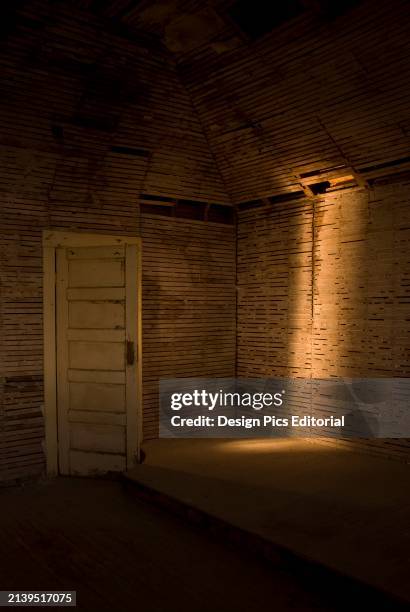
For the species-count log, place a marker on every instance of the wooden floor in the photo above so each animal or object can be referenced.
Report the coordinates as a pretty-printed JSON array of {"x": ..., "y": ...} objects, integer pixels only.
[{"x": 120, "y": 554}]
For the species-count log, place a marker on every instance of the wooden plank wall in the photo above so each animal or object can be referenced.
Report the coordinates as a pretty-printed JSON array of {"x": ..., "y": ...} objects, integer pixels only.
[
  {"x": 275, "y": 291},
  {"x": 89, "y": 120},
  {"x": 324, "y": 291},
  {"x": 189, "y": 303},
  {"x": 361, "y": 284},
  {"x": 315, "y": 93}
]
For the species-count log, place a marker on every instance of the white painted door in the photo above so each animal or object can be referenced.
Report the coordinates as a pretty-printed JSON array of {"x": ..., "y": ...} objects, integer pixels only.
[{"x": 97, "y": 370}]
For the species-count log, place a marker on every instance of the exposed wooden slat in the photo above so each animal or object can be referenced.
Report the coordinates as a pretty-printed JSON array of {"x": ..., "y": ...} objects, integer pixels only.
[
  {"x": 323, "y": 290},
  {"x": 188, "y": 304}
]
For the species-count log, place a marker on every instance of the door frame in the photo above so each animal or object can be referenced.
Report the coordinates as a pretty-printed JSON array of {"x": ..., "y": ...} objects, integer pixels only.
[{"x": 51, "y": 241}]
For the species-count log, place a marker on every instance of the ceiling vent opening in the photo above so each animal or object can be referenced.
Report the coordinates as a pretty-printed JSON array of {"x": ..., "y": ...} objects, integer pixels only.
[
  {"x": 318, "y": 188},
  {"x": 218, "y": 213},
  {"x": 258, "y": 17},
  {"x": 333, "y": 184}
]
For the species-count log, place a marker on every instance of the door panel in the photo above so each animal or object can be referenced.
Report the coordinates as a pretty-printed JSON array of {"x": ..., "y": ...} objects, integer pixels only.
[
  {"x": 109, "y": 335},
  {"x": 96, "y": 376},
  {"x": 98, "y": 252},
  {"x": 94, "y": 273},
  {"x": 96, "y": 315},
  {"x": 97, "y": 397},
  {"x": 103, "y": 418},
  {"x": 96, "y": 385},
  {"x": 97, "y": 437},
  {"x": 96, "y": 356},
  {"x": 96, "y": 293},
  {"x": 86, "y": 462}
]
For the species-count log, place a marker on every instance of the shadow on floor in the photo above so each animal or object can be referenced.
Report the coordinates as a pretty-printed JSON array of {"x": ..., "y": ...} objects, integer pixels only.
[{"x": 121, "y": 554}]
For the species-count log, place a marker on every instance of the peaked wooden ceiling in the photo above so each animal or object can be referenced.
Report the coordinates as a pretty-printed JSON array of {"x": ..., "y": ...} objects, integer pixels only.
[
  {"x": 324, "y": 97},
  {"x": 321, "y": 100}
]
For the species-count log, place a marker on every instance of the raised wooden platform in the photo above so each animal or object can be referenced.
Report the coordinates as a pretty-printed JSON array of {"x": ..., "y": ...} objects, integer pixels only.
[{"x": 313, "y": 506}]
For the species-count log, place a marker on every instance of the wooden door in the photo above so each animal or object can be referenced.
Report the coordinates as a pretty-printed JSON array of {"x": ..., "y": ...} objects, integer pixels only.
[{"x": 96, "y": 356}]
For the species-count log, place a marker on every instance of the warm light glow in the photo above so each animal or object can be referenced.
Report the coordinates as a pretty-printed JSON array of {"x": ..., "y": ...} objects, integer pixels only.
[{"x": 301, "y": 445}]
